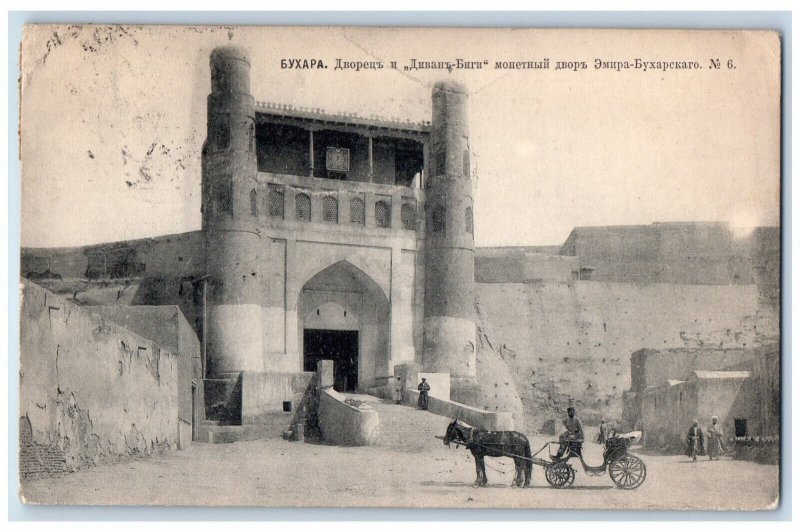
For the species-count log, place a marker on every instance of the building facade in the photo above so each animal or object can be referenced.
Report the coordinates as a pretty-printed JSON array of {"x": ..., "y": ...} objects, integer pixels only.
[{"x": 320, "y": 232}]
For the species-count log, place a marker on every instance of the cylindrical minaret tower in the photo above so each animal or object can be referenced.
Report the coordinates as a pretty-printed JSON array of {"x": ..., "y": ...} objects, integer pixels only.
[
  {"x": 230, "y": 220},
  {"x": 449, "y": 330}
]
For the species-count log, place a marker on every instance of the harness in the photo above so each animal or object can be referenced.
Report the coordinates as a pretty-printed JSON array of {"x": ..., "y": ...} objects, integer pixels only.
[
  {"x": 487, "y": 446},
  {"x": 458, "y": 442}
]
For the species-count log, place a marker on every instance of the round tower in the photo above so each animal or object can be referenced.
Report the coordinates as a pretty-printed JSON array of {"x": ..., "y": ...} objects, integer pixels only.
[
  {"x": 230, "y": 219},
  {"x": 449, "y": 329}
]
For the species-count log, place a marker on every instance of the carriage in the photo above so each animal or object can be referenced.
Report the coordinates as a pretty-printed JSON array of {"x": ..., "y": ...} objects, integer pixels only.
[{"x": 626, "y": 470}]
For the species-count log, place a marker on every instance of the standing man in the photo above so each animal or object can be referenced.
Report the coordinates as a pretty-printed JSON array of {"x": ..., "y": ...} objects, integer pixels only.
[
  {"x": 573, "y": 434},
  {"x": 602, "y": 436},
  {"x": 423, "y": 388},
  {"x": 398, "y": 390},
  {"x": 716, "y": 446},
  {"x": 694, "y": 441}
]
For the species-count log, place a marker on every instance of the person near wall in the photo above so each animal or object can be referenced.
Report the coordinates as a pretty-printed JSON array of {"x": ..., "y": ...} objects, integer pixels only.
[
  {"x": 602, "y": 435},
  {"x": 694, "y": 441},
  {"x": 423, "y": 388},
  {"x": 716, "y": 445},
  {"x": 572, "y": 437},
  {"x": 398, "y": 390}
]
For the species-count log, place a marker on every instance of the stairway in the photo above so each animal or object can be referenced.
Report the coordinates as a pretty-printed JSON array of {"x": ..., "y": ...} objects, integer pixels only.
[
  {"x": 267, "y": 426},
  {"x": 404, "y": 428}
]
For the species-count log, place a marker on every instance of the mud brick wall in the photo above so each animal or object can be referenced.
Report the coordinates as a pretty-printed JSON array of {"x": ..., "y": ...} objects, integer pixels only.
[
  {"x": 574, "y": 340},
  {"x": 91, "y": 391},
  {"x": 37, "y": 460}
]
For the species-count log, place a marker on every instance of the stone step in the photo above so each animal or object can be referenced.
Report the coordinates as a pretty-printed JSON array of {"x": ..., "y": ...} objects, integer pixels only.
[{"x": 266, "y": 426}]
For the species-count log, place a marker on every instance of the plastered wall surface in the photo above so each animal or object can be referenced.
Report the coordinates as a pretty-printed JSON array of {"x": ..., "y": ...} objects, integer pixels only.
[
  {"x": 91, "y": 391},
  {"x": 574, "y": 340},
  {"x": 166, "y": 326},
  {"x": 342, "y": 424},
  {"x": 264, "y": 393}
]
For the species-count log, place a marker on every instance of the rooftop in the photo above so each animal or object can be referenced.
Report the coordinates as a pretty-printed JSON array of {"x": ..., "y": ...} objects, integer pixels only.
[{"x": 320, "y": 116}]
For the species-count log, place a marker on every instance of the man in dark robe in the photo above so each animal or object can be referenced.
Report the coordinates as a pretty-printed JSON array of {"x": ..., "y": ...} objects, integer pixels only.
[
  {"x": 423, "y": 388},
  {"x": 694, "y": 441}
]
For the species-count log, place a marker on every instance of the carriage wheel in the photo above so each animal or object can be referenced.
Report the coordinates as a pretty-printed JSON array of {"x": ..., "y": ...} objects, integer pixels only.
[
  {"x": 559, "y": 475},
  {"x": 628, "y": 472}
]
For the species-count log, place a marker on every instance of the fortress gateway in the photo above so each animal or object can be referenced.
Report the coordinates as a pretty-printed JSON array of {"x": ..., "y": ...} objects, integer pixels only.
[
  {"x": 323, "y": 237},
  {"x": 335, "y": 237}
]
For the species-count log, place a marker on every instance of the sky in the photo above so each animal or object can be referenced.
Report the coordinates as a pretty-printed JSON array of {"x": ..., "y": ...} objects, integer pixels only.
[{"x": 113, "y": 120}]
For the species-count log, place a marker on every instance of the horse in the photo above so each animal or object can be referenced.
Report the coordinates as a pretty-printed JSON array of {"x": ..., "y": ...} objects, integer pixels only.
[{"x": 482, "y": 443}]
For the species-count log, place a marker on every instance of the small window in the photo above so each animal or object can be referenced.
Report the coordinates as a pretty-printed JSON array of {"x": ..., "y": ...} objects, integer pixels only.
[
  {"x": 357, "y": 211},
  {"x": 330, "y": 210},
  {"x": 253, "y": 203},
  {"x": 408, "y": 217},
  {"x": 468, "y": 220},
  {"x": 438, "y": 223},
  {"x": 220, "y": 131},
  {"x": 383, "y": 214},
  {"x": 302, "y": 207},
  {"x": 275, "y": 204},
  {"x": 337, "y": 159},
  {"x": 222, "y": 195}
]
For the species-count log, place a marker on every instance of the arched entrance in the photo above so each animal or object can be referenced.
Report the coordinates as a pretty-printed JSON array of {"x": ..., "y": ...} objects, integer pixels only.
[{"x": 344, "y": 317}]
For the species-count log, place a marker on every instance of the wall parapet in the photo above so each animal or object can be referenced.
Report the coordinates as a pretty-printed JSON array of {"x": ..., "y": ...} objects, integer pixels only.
[
  {"x": 480, "y": 419},
  {"x": 344, "y": 424}
]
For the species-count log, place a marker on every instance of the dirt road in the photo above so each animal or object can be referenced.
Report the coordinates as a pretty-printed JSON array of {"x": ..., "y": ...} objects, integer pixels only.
[{"x": 278, "y": 473}]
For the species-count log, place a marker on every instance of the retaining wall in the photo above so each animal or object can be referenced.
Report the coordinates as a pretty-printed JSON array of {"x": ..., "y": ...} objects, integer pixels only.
[
  {"x": 343, "y": 424},
  {"x": 574, "y": 340},
  {"x": 480, "y": 419}
]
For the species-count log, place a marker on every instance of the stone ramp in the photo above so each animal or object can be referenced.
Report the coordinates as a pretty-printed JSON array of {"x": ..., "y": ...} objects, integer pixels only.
[{"x": 404, "y": 428}]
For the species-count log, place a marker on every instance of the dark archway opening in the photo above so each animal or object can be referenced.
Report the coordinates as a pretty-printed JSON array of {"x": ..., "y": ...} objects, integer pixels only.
[{"x": 339, "y": 346}]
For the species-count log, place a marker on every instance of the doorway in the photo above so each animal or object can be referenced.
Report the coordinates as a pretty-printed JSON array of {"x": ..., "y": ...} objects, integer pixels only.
[
  {"x": 740, "y": 428},
  {"x": 339, "y": 346}
]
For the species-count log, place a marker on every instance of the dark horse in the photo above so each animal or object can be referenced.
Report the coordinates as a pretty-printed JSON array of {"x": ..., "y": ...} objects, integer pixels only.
[{"x": 483, "y": 443}]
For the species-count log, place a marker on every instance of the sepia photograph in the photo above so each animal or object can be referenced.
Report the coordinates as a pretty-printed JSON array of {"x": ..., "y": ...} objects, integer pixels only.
[{"x": 385, "y": 267}]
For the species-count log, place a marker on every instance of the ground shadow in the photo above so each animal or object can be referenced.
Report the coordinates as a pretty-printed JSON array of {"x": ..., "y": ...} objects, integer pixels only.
[
  {"x": 583, "y": 488},
  {"x": 453, "y": 484}
]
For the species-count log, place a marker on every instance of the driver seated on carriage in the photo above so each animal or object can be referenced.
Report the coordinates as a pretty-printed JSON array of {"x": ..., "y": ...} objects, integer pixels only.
[{"x": 572, "y": 438}]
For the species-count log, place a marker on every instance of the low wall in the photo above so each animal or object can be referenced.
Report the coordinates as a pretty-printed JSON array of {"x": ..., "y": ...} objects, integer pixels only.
[
  {"x": 480, "y": 419},
  {"x": 343, "y": 424},
  {"x": 265, "y": 392},
  {"x": 91, "y": 391},
  {"x": 762, "y": 450}
]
